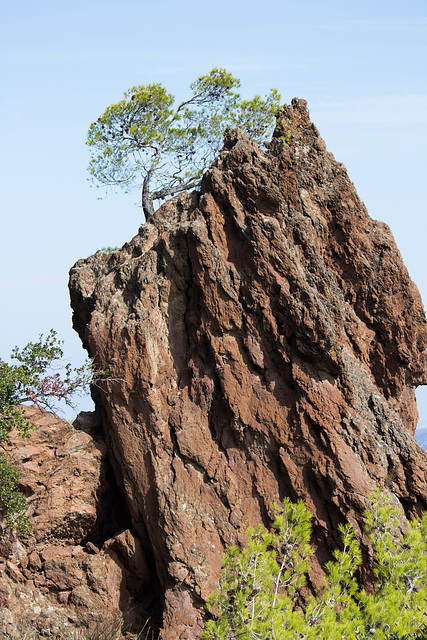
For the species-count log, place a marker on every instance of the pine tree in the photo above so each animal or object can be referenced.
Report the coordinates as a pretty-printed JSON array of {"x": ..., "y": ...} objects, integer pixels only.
[{"x": 257, "y": 597}]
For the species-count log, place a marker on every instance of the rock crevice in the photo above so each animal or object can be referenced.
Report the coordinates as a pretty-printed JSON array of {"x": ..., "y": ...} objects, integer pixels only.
[{"x": 82, "y": 565}]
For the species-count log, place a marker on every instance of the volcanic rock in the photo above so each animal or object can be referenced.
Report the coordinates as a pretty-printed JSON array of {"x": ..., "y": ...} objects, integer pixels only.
[{"x": 265, "y": 341}]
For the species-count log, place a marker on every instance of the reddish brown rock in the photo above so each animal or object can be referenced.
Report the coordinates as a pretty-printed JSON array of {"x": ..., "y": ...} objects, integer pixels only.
[
  {"x": 266, "y": 341},
  {"x": 57, "y": 580}
]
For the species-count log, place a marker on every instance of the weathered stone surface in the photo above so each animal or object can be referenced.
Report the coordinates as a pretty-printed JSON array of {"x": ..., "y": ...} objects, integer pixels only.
[
  {"x": 266, "y": 340},
  {"x": 58, "y": 580}
]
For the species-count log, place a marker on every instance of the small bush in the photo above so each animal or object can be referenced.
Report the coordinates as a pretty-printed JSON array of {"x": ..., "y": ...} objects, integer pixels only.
[{"x": 33, "y": 379}]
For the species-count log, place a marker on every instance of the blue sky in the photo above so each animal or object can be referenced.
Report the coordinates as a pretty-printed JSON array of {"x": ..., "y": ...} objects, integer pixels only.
[{"x": 361, "y": 66}]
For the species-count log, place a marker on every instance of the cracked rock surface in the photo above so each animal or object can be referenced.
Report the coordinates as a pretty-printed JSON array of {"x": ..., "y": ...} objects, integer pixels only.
[{"x": 266, "y": 341}]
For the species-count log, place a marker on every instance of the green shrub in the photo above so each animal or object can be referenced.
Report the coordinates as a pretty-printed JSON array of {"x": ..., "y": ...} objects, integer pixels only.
[
  {"x": 34, "y": 379},
  {"x": 109, "y": 249},
  {"x": 259, "y": 590}
]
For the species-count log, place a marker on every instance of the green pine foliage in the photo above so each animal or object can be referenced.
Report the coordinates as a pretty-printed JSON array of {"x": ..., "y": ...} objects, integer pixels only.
[
  {"x": 148, "y": 142},
  {"x": 258, "y": 594}
]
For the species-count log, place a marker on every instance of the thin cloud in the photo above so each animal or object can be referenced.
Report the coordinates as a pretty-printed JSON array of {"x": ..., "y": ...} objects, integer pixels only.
[
  {"x": 377, "y": 24},
  {"x": 408, "y": 109}
]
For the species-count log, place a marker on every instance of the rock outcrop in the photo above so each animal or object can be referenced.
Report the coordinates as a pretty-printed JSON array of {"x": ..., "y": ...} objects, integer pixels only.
[
  {"x": 81, "y": 566},
  {"x": 266, "y": 341}
]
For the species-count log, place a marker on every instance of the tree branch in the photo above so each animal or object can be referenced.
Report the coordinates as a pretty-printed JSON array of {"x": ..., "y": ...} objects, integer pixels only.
[{"x": 170, "y": 191}]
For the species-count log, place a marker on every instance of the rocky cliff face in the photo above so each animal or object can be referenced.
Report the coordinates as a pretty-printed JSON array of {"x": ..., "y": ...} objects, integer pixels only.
[{"x": 267, "y": 341}]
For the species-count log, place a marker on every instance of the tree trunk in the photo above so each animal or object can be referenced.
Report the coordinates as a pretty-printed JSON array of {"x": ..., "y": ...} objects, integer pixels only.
[{"x": 147, "y": 203}]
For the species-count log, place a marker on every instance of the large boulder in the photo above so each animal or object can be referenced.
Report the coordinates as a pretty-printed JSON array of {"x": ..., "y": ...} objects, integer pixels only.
[{"x": 265, "y": 341}]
